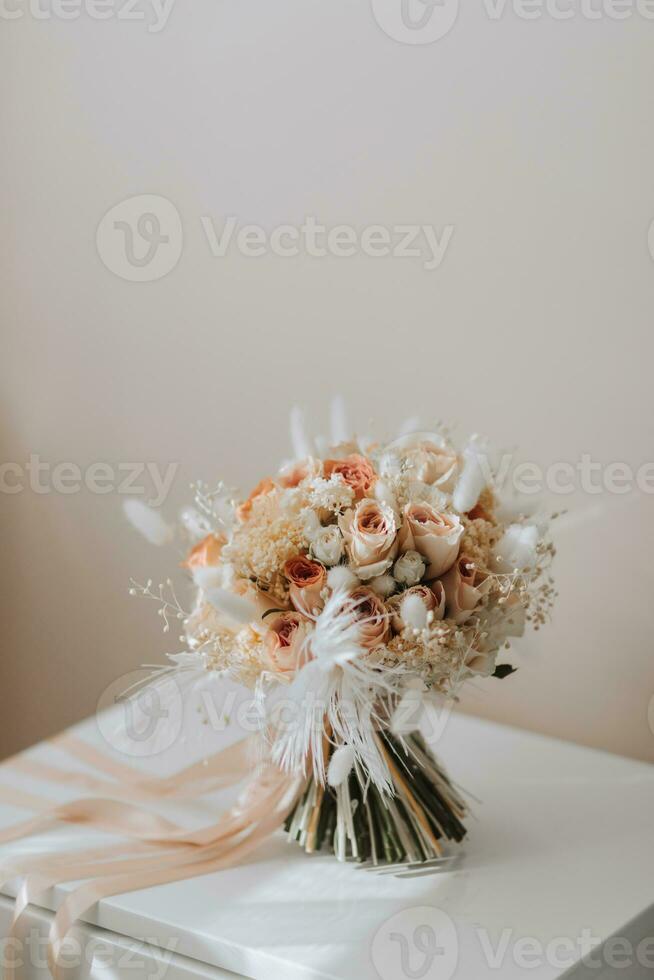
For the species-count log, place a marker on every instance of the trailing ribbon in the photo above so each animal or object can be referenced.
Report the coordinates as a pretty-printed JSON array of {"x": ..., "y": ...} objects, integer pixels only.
[{"x": 160, "y": 851}]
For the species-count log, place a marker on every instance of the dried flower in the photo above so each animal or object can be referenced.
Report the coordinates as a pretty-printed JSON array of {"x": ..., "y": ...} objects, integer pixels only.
[
  {"x": 433, "y": 534},
  {"x": 409, "y": 568},
  {"x": 285, "y": 642},
  {"x": 357, "y": 472},
  {"x": 307, "y": 580},
  {"x": 327, "y": 545},
  {"x": 370, "y": 535}
]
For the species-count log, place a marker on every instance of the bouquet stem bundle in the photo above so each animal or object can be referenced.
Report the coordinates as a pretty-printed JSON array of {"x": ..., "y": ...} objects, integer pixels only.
[{"x": 357, "y": 822}]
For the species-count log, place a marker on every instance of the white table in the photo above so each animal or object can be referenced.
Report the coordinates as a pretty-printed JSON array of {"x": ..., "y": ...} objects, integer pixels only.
[{"x": 560, "y": 849}]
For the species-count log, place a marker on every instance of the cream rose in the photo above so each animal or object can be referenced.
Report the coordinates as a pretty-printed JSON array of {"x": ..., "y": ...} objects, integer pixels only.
[
  {"x": 463, "y": 590},
  {"x": 422, "y": 456},
  {"x": 409, "y": 568},
  {"x": 285, "y": 642},
  {"x": 431, "y": 463},
  {"x": 327, "y": 545},
  {"x": 370, "y": 532},
  {"x": 436, "y": 536},
  {"x": 307, "y": 579}
]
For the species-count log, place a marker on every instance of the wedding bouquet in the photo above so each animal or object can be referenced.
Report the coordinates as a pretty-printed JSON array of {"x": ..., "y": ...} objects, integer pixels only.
[{"x": 352, "y": 590}]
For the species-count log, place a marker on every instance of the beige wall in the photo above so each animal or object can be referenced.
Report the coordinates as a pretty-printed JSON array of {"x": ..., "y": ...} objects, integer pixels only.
[{"x": 533, "y": 139}]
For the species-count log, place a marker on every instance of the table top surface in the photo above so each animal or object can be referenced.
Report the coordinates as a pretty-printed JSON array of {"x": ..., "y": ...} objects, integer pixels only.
[{"x": 559, "y": 854}]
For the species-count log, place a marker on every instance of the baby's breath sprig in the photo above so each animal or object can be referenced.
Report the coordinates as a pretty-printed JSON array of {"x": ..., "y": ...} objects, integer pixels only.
[
  {"x": 169, "y": 608},
  {"x": 216, "y": 505}
]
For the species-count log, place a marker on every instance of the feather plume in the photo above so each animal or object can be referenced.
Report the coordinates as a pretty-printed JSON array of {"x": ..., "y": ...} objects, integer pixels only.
[
  {"x": 195, "y": 523},
  {"x": 300, "y": 439},
  {"x": 474, "y": 476},
  {"x": 147, "y": 521},
  {"x": 340, "y": 765},
  {"x": 338, "y": 416},
  {"x": 233, "y": 606},
  {"x": 340, "y": 690},
  {"x": 340, "y": 578},
  {"x": 414, "y": 612}
]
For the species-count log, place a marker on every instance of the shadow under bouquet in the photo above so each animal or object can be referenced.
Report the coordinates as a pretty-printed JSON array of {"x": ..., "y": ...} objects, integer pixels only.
[{"x": 354, "y": 591}]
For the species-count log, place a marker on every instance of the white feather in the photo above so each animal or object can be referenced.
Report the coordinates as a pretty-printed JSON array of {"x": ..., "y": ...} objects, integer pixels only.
[
  {"x": 208, "y": 577},
  {"x": 414, "y": 612},
  {"x": 340, "y": 686},
  {"x": 335, "y": 639},
  {"x": 517, "y": 547},
  {"x": 340, "y": 579},
  {"x": 195, "y": 523},
  {"x": 147, "y": 521},
  {"x": 322, "y": 446},
  {"x": 474, "y": 476},
  {"x": 340, "y": 765},
  {"x": 338, "y": 416},
  {"x": 383, "y": 585},
  {"x": 233, "y": 606},
  {"x": 409, "y": 425},
  {"x": 300, "y": 440}
]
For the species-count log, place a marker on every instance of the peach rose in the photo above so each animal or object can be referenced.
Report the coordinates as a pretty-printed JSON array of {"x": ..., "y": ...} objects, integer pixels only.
[
  {"x": 371, "y": 616},
  {"x": 307, "y": 578},
  {"x": 463, "y": 589},
  {"x": 434, "y": 535},
  {"x": 245, "y": 509},
  {"x": 205, "y": 552},
  {"x": 285, "y": 642},
  {"x": 356, "y": 471},
  {"x": 370, "y": 532},
  {"x": 434, "y": 600}
]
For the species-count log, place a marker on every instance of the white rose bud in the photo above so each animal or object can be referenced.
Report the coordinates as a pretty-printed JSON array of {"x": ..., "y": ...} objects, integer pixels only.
[
  {"x": 327, "y": 545},
  {"x": 409, "y": 568}
]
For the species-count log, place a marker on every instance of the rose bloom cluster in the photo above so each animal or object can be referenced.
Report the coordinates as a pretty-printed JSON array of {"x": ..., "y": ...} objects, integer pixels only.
[{"x": 410, "y": 532}]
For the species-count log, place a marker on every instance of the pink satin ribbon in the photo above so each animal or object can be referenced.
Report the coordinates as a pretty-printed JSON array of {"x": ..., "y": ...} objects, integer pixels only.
[{"x": 162, "y": 851}]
